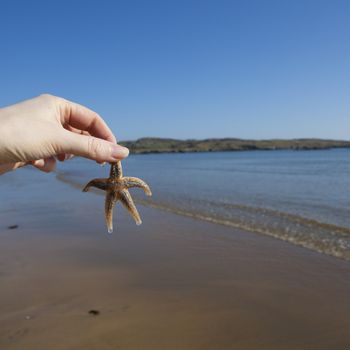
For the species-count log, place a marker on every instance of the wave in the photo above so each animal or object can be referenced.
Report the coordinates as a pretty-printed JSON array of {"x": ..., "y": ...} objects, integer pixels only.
[{"x": 309, "y": 233}]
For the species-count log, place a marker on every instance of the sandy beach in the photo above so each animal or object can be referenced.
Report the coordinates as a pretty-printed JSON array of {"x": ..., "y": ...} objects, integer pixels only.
[
  {"x": 235, "y": 115},
  {"x": 173, "y": 283}
]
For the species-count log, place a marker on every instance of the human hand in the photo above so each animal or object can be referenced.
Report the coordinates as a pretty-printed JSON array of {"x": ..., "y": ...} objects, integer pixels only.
[{"x": 36, "y": 131}]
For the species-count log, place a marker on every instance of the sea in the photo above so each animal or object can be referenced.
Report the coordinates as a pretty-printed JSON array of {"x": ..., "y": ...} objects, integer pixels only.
[{"x": 298, "y": 196}]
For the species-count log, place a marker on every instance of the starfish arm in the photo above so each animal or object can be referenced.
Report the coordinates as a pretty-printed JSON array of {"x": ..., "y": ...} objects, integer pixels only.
[
  {"x": 136, "y": 182},
  {"x": 116, "y": 171},
  {"x": 109, "y": 205},
  {"x": 125, "y": 197},
  {"x": 98, "y": 183}
]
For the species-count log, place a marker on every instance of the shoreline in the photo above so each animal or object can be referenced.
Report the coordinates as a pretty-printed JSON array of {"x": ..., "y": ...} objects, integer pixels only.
[
  {"x": 173, "y": 282},
  {"x": 335, "y": 252},
  {"x": 340, "y": 235}
]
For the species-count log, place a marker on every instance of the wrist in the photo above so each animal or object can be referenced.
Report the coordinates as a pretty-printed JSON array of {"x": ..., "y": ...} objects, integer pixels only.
[{"x": 7, "y": 132}]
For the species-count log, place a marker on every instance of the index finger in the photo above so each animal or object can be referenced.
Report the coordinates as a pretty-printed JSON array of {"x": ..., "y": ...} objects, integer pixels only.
[{"x": 83, "y": 118}]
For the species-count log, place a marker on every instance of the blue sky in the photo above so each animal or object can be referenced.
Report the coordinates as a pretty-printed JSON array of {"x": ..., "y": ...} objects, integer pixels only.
[{"x": 186, "y": 69}]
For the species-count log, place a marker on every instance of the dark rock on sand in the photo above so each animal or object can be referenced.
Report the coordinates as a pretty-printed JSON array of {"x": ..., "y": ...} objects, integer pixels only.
[{"x": 94, "y": 312}]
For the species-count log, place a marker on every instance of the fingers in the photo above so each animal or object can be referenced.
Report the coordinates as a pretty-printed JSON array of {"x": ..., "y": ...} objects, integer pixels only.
[
  {"x": 82, "y": 118},
  {"x": 46, "y": 165},
  {"x": 64, "y": 156},
  {"x": 77, "y": 131},
  {"x": 91, "y": 147},
  {"x": 4, "y": 168},
  {"x": 86, "y": 134}
]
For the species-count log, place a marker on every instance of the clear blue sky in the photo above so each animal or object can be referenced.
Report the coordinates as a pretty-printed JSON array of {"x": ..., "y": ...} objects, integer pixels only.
[{"x": 186, "y": 69}]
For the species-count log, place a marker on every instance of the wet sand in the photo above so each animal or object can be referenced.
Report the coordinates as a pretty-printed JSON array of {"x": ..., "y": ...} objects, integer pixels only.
[{"x": 173, "y": 283}]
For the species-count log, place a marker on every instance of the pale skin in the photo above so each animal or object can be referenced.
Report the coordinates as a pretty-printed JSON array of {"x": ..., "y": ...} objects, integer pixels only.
[{"x": 40, "y": 130}]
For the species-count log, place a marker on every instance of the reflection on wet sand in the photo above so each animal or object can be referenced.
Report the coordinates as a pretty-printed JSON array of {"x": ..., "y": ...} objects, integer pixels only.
[{"x": 175, "y": 283}]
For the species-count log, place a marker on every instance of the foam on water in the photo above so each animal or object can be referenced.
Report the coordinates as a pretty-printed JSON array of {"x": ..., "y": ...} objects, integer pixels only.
[{"x": 301, "y": 197}]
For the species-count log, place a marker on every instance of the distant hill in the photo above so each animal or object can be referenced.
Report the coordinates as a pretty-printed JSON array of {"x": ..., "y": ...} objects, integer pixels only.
[{"x": 160, "y": 145}]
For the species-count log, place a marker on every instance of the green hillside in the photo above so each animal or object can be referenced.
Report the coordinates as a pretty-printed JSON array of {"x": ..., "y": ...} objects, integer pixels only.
[{"x": 160, "y": 145}]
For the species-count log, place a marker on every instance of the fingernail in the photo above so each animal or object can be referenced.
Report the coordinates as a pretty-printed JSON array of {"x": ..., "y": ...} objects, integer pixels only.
[
  {"x": 39, "y": 162},
  {"x": 119, "y": 152},
  {"x": 101, "y": 163}
]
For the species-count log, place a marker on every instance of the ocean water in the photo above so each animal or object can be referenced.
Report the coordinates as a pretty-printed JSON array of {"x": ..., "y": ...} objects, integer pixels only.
[{"x": 299, "y": 196}]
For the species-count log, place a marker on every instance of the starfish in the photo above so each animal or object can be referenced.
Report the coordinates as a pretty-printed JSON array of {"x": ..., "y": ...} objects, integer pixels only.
[{"x": 116, "y": 187}]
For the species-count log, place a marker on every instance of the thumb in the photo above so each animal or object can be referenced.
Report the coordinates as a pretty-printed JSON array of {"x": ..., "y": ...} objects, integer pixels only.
[{"x": 92, "y": 148}]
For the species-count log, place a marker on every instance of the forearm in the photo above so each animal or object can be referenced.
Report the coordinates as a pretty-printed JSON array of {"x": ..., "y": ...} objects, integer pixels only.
[{"x": 7, "y": 132}]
